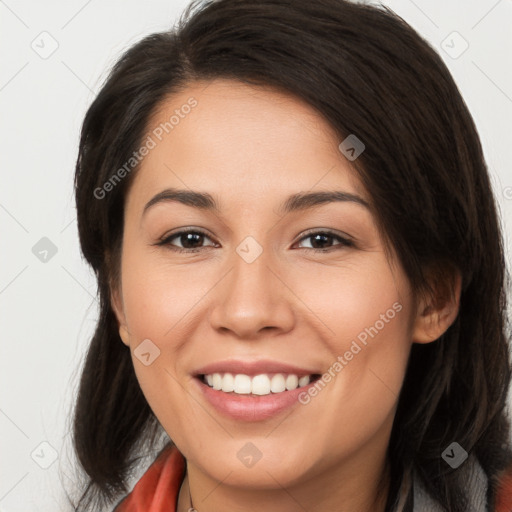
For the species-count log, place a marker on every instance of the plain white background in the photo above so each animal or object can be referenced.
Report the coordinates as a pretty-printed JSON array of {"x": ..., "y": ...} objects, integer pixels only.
[{"x": 55, "y": 55}]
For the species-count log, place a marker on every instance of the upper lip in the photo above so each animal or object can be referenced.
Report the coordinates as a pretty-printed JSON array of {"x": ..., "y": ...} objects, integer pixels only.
[{"x": 252, "y": 368}]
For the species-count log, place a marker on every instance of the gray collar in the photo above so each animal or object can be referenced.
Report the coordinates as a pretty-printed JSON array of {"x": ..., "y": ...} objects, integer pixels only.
[{"x": 476, "y": 480}]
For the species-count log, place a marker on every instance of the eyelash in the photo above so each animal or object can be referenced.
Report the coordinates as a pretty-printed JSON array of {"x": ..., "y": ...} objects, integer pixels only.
[{"x": 344, "y": 242}]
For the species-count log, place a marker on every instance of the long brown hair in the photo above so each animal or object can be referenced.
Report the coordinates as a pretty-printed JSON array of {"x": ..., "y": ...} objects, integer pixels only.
[{"x": 367, "y": 72}]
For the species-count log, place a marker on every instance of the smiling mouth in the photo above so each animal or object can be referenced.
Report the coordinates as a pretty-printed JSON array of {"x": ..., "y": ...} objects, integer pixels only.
[{"x": 259, "y": 385}]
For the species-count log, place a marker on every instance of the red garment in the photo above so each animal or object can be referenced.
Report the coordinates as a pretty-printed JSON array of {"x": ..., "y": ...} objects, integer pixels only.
[
  {"x": 157, "y": 490},
  {"x": 504, "y": 498}
]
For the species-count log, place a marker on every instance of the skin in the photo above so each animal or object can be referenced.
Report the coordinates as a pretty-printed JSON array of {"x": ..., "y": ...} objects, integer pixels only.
[{"x": 251, "y": 148}]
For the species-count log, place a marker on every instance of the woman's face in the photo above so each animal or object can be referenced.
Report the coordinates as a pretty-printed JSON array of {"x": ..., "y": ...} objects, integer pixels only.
[{"x": 266, "y": 283}]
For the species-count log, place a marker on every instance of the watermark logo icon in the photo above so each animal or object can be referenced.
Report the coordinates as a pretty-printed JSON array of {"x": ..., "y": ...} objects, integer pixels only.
[
  {"x": 147, "y": 352},
  {"x": 45, "y": 45},
  {"x": 352, "y": 147},
  {"x": 249, "y": 454},
  {"x": 44, "y": 250},
  {"x": 454, "y": 455},
  {"x": 249, "y": 249},
  {"x": 44, "y": 455},
  {"x": 454, "y": 45}
]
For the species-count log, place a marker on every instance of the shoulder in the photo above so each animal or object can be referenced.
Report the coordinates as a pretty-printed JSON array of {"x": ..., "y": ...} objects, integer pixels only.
[{"x": 157, "y": 490}]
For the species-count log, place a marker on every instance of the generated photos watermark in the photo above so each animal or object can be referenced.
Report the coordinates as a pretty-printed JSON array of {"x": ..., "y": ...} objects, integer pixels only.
[
  {"x": 355, "y": 348},
  {"x": 150, "y": 142}
]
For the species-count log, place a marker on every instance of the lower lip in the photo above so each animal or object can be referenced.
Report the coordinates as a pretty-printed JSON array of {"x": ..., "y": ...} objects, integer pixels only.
[{"x": 251, "y": 407}]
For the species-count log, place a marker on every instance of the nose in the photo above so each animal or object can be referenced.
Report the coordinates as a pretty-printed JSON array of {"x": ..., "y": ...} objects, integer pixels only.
[{"x": 253, "y": 299}]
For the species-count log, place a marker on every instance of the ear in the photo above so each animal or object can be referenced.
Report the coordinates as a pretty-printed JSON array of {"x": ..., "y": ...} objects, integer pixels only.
[
  {"x": 436, "y": 313},
  {"x": 118, "y": 308}
]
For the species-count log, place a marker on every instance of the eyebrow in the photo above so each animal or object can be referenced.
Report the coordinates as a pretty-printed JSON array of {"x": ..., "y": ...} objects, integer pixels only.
[{"x": 295, "y": 202}]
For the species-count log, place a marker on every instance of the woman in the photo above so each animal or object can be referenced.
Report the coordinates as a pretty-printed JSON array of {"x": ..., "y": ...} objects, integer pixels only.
[{"x": 300, "y": 268}]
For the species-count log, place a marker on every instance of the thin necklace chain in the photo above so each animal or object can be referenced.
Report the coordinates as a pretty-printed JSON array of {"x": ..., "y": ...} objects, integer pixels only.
[{"x": 191, "y": 509}]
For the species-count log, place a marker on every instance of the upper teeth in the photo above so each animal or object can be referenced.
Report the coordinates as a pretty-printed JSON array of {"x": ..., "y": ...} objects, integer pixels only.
[{"x": 258, "y": 385}]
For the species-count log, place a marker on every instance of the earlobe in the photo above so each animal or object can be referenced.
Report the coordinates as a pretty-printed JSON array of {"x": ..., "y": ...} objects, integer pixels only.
[
  {"x": 117, "y": 306},
  {"x": 436, "y": 315},
  {"x": 124, "y": 334}
]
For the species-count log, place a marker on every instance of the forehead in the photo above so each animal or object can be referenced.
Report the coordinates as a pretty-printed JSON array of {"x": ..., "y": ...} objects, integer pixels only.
[{"x": 240, "y": 140}]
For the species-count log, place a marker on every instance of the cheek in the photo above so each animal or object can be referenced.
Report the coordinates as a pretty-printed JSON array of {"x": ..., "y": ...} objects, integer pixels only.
[
  {"x": 162, "y": 304},
  {"x": 159, "y": 298},
  {"x": 368, "y": 331},
  {"x": 354, "y": 299},
  {"x": 360, "y": 400}
]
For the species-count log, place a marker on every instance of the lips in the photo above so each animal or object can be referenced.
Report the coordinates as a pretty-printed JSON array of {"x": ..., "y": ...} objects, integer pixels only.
[{"x": 253, "y": 390}]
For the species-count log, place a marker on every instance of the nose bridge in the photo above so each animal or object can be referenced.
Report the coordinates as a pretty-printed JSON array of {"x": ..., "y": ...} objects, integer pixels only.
[
  {"x": 252, "y": 297},
  {"x": 251, "y": 271}
]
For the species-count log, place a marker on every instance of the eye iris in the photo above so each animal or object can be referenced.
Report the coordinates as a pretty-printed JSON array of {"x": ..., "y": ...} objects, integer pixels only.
[
  {"x": 190, "y": 238},
  {"x": 319, "y": 236}
]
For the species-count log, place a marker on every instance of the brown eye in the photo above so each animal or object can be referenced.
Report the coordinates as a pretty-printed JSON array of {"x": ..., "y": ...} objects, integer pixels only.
[
  {"x": 323, "y": 240},
  {"x": 187, "y": 241}
]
